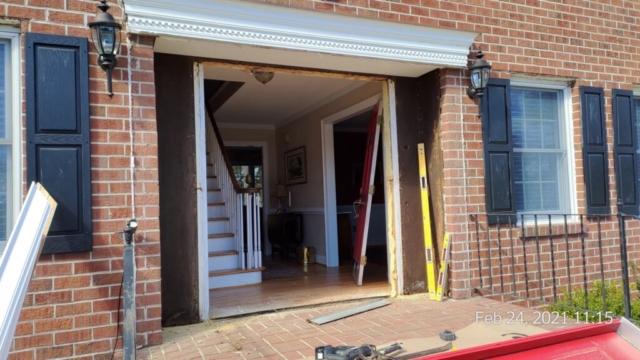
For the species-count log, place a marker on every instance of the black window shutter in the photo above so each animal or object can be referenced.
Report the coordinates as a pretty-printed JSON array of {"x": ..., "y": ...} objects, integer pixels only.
[
  {"x": 58, "y": 142},
  {"x": 498, "y": 151},
  {"x": 624, "y": 147},
  {"x": 594, "y": 151}
]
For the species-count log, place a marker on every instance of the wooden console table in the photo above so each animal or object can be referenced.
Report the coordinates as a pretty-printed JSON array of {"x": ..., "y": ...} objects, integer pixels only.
[{"x": 285, "y": 233}]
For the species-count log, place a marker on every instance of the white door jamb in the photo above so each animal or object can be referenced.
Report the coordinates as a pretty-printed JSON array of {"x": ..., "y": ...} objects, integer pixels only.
[{"x": 201, "y": 181}]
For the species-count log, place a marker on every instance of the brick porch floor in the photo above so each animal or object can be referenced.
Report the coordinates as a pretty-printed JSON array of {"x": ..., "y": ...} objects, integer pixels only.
[{"x": 288, "y": 335}]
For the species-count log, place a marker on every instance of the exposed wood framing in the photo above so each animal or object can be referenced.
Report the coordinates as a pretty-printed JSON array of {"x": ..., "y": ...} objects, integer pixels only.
[
  {"x": 417, "y": 102},
  {"x": 429, "y": 90},
  {"x": 291, "y": 70},
  {"x": 178, "y": 193}
]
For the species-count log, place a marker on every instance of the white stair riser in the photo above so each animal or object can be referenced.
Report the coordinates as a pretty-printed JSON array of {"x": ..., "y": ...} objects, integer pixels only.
[
  {"x": 216, "y": 211},
  {"x": 223, "y": 281},
  {"x": 210, "y": 170},
  {"x": 214, "y": 196},
  {"x": 226, "y": 262},
  {"x": 222, "y": 244},
  {"x": 218, "y": 227},
  {"x": 212, "y": 183}
]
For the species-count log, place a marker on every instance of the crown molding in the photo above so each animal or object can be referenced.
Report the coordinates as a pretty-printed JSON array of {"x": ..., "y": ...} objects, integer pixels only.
[{"x": 247, "y": 23}]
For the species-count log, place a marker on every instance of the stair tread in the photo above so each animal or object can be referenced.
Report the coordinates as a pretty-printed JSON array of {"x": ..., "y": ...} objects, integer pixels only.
[
  {"x": 215, "y": 203},
  {"x": 223, "y": 253},
  {"x": 214, "y": 190},
  {"x": 217, "y": 236},
  {"x": 218, "y": 218},
  {"x": 234, "y": 271},
  {"x": 212, "y": 177}
]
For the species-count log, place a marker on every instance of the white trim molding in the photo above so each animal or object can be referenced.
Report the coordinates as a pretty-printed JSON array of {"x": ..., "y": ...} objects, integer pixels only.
[
  {"x": 20, "y": 258},
  {"x": 253, "y": 24},
  {"x": 201, "y": 183}
]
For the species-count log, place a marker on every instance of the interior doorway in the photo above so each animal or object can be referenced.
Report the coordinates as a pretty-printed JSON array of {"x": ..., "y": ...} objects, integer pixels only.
[
  {"x": 250, "y": 164},
  {"x": 349, "y": 145}
]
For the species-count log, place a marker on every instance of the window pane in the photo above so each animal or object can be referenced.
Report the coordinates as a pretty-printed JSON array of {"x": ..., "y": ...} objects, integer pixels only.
[
  {"x": 4, "y": 149},
  {"x": 3, "y": 93},
  {"x": 4, "y": 196},
  {"x": 257, "y": 173},
  {"x": 538, "y": 173},
  {"x": 537, "y": 181},
  {"x": 517, "y": 117}
]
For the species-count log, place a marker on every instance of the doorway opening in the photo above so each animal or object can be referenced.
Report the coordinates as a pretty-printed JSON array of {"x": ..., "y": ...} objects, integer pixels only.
[
  {"x": 349, "y": 145},
  {"x": 286, "y": 114}
]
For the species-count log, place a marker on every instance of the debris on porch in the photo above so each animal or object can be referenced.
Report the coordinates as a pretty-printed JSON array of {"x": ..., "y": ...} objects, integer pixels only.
[{"x": 288, "y": 335}]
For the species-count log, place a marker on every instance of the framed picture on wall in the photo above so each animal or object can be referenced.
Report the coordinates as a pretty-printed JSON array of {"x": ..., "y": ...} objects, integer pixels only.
[{"x": 295, "y": 166}]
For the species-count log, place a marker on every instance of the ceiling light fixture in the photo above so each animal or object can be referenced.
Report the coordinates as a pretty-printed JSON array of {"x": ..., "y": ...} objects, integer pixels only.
[{"x": 263, "y": 76}]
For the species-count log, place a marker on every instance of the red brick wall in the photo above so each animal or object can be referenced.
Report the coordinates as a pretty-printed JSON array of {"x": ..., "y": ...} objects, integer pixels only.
[
  {"x": 70, "y": 308},
  {"x": 592, "y": 43},
  {"x": 74, "y": 296}
]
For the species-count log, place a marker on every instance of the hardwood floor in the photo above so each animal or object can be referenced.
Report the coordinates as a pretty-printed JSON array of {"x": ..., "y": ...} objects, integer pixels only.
[{"x": 322, "y": 285}]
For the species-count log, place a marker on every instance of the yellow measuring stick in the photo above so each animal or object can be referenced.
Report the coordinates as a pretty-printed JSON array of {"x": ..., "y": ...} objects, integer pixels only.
[
  {"x": 444, "y": 266},
  {"x": 426, "y": 223}
]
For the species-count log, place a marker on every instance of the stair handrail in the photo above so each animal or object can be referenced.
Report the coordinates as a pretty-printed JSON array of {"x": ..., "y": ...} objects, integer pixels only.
[
  {"x": 227, "y": 161},
  {"x": 223, "y": 150}
]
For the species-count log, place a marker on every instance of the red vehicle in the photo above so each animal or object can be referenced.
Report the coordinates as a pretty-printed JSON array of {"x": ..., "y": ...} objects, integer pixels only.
[{"x": 619, "y": 339}]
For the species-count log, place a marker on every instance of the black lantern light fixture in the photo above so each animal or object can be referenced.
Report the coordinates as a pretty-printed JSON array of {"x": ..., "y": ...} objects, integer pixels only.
[
  {"x": 105, "y": 34},
  {"x": 480, "y": 71}
]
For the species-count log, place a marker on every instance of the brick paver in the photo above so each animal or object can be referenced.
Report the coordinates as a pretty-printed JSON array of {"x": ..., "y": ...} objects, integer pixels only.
[{"x": 288, "y": 335}]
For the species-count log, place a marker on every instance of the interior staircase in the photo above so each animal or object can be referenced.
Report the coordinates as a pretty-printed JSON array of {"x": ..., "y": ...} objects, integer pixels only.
[{"x": 224, "y": 260}]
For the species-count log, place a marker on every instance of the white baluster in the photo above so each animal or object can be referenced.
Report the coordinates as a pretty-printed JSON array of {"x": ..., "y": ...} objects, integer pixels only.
[
  {"x": 249, "y": 232},
  {"x": 258, "y": 231},
  {"x": 240, "y": 233}
]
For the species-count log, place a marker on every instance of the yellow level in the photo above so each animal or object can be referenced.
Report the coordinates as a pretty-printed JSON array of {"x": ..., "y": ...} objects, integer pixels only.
[
  {"x": 426, "y": 223},
  {"x": 444, "y": 266}
]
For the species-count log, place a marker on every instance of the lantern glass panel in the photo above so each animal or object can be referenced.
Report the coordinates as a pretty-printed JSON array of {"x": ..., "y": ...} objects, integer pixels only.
[
  {"x": 476, "y": 78},
  {"x": 107, "y": 36},
  {"x": 116, "y": 50},
  {"x": 96, "y": 39},
  {"x": 486, "y": 72}
]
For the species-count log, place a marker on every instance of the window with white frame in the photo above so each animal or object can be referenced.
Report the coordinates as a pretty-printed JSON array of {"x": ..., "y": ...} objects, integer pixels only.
[
  {"x": 9, "y": 125},
  {"x": 541, "y": 167}
]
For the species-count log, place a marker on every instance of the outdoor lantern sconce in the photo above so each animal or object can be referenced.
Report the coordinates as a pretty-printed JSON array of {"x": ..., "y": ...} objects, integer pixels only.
[
  {"x": 480, "y": 70},
  {"x": 105, "y": 34}
]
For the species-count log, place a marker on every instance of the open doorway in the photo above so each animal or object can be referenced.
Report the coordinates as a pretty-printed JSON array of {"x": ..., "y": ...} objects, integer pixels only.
[
  {"x": 286, "y": 113},
  {"x": 349, "y": 145}
]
